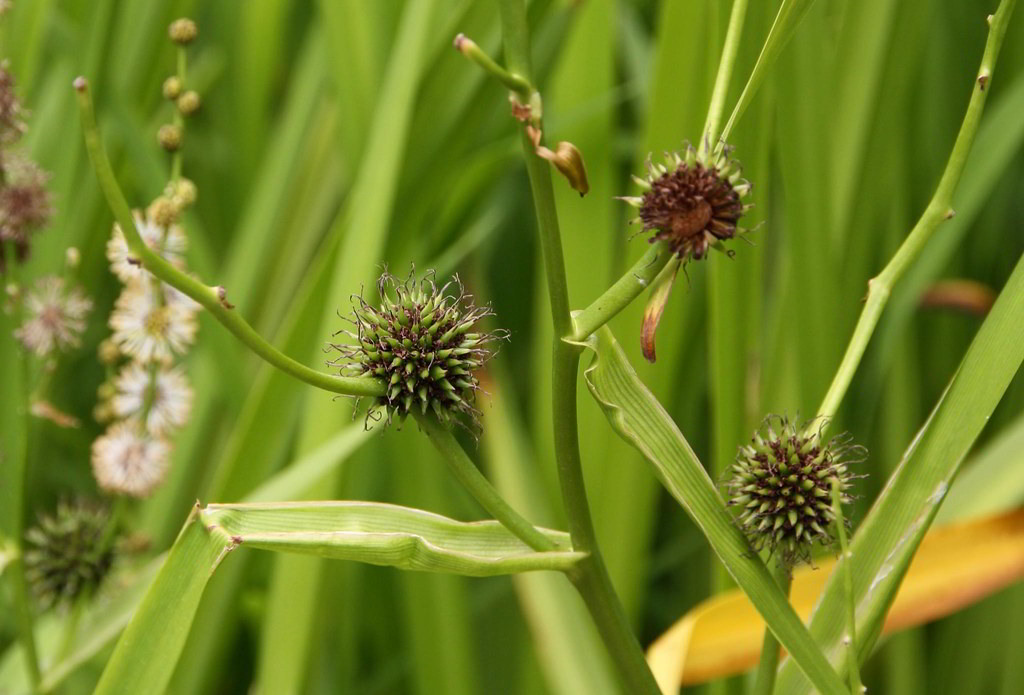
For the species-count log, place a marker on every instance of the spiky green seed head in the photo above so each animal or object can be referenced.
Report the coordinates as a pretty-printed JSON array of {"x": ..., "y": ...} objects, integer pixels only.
[
  {"x": 424, "y": 343},
  {"x": 781, "y": 484},
  {"x": 66, "y": 553},
  {"x": 693, "y": 202}
]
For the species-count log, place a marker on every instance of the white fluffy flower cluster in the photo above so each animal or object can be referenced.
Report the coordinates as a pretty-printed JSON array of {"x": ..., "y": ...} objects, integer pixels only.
[{"x": 146, "y": 398}]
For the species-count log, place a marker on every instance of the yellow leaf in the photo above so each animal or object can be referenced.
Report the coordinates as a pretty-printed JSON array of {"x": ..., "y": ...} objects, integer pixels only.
[{"x": 955, "y": 566}]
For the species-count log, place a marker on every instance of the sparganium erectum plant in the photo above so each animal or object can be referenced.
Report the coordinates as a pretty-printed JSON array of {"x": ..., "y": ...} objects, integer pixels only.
[{"x": 416, "y": 346}]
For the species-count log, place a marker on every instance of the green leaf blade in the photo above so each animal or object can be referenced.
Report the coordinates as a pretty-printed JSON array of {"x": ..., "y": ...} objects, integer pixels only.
[{"x": 384, "y": 534}]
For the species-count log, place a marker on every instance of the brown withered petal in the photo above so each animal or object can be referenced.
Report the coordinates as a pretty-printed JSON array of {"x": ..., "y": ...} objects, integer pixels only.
[{"x": 656, "y": 307}]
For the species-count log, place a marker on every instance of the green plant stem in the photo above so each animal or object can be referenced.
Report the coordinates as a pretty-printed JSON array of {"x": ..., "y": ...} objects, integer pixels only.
[
  {"x": 179, "y": 120},
  {"x": 213, "y": 299},
  {"x": 591, "y": 577},
  {"x": 724, "y": 75},
  {"x": 617, "y": 297},
  {"x": 479, "y": 487},
  {"x": 938, "y": 209},
  {"x": 853, "y": 668},
  {"x": 467, "y": 47},
  {"x": 768, "y": 666},
  {"x": 19, "y": 454}
]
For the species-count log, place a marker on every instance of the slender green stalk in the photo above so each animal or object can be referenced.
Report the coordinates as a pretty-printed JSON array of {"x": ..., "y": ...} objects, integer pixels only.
[
  {"x": 213, "y": 299},
  {"x": 467, "y": 47},
  {"x": 19, "y": 455},
  {"x": 473, "y": 480},
  {"x": 789, "y": 15},
  {"x": 617, "y": 297},
  {"x": 852, "y": 666},
  {"x": 938, "y": 210},
  {"x": 591, "y": 576},
  {"x": 724, "y": 76},
  {"x": 768, "y": 666},
  {"x": 179, "y": 120}
]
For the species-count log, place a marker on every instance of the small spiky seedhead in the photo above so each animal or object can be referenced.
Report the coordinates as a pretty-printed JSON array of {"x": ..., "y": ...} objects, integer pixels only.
[
  {"x": 421, "y": 342},
  {"x": 782, "y": 483},
  {"x": 68, "y": 553},
  {"x": 693, "y": 202}
]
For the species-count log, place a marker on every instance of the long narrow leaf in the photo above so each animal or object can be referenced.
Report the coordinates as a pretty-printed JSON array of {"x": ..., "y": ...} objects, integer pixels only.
[{"x": 638, "y": 417}]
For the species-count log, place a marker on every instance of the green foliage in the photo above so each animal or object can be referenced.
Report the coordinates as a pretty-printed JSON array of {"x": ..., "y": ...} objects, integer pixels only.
[{"x": 340, "y": 136}]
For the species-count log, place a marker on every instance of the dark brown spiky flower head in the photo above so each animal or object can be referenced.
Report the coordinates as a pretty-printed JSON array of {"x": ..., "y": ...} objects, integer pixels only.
[
  {"x": 782, "y": 484},
  {"x": 692, "y": 202},
  {"x": 423, "y": 342},
  {"x": 69, "y": 552}
]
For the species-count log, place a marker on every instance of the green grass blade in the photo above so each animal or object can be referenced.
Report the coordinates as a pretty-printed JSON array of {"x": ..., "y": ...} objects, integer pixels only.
[
  {"x": 993, "y": 482},
  {"x": 786, "y": 22},
  {"x": 148, "y": 650},
  {"x": 638, "y": 417},
  {"x": 887, "y": 538}
]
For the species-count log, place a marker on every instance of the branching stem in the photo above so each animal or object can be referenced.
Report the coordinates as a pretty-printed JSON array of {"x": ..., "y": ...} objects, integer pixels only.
[
  {"x": 476, "y": 483},
  {"x": 591, "y": 576},
  {"x": 939, "y": 209},
  {"x": 213, "y": 299}
]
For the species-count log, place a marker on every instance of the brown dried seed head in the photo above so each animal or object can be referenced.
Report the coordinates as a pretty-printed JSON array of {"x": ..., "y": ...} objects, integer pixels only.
[{"x": 693, "y": 207}]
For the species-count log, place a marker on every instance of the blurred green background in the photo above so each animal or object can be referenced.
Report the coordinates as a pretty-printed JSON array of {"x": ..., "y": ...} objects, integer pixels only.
[{"x": 341, "y": 135}]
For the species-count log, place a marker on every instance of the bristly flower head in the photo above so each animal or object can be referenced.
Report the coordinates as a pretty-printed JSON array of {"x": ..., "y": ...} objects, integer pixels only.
[
  {"x": 128, "y": 461},
  {"x": 166, "y": 393},
  {"x": 170, "y": 242},
  {"x": 55, "y": 316},
  {"x": 782, "y": 484},
  {"x": 692, "y": 202},
  {"x": 149, "y": 329},
  {"x": 421, "y": 341},
  {"x": 67, "y": 553}
]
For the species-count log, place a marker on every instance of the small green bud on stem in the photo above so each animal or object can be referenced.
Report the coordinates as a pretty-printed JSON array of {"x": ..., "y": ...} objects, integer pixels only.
[{"x": 183, "y": 31}]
